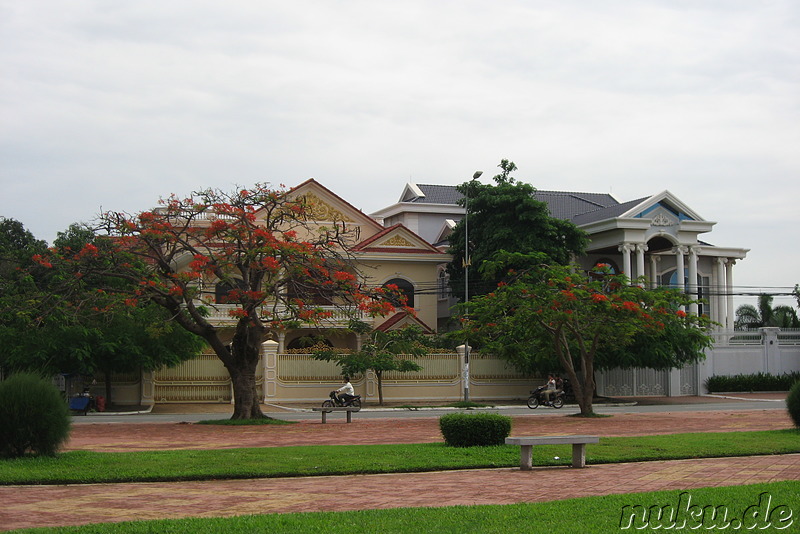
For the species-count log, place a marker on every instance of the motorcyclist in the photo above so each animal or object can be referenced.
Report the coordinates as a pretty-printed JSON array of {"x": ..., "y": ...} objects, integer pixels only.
[
  {"x": 550, "y": 389},
  {"x": 346, "y": 392}
]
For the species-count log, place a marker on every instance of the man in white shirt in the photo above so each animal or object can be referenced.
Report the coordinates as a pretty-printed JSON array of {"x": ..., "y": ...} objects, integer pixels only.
[{"x": 346, "y": 392}]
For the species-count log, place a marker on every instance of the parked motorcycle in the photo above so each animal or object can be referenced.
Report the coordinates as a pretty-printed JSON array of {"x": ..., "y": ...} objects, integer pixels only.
[
  {"x": 335, "y": 401},
  {"x": 537, "y": 398}
]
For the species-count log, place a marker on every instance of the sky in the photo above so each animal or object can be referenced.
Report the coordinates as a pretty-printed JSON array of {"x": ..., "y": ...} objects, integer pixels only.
[{"x": 111, "y": 105}]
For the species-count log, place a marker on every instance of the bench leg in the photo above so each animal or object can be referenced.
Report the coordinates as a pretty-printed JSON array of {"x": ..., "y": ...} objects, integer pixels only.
[
  {"x": 349, "y": 417},
  {"x": 324, "y": 415},
  {"x": 578, "y": 455},
  {"x": 526, "y": 457}
]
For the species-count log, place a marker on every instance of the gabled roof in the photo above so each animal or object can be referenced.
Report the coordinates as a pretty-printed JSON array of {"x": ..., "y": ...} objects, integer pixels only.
[
  {"x": 608, "y": 212},
  {"x": 396, "y": 321},
  {"x": 396, "y": 239},
  {"x": 332, "y": 206},
  {"x": 562, "y": 204}
]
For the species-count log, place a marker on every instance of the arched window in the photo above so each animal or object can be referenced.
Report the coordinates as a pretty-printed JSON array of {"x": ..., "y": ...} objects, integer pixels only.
[
  {"x": 405, "y": 287},
  {"x": 222, "y": 290}
]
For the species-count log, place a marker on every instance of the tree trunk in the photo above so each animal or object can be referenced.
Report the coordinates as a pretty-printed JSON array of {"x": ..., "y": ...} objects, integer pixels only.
[
  {"x": 246, "y": 403},
  {"x": 107, "y": 379},
  {"x": 242, "y": 361},
  {"x": 380, "y": 387}
]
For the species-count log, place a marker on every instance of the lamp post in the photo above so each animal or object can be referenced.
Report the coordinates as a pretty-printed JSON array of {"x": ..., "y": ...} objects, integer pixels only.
[{"x": 467, "y": 261}]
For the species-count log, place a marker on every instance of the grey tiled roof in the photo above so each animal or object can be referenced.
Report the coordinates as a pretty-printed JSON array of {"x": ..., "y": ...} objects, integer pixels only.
[{"x": 572, "y": 206}]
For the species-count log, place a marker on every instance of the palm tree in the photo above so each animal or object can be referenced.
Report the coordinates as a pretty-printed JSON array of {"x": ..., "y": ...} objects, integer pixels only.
[{"x": 749, "y": 317}]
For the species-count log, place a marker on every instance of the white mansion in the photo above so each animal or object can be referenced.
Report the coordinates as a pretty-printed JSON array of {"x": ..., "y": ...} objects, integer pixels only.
[{"x": 655, "y": 237}]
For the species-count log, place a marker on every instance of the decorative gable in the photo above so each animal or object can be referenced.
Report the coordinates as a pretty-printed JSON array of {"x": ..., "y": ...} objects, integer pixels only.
[
  {"x": 396, "y": 239},
  {"x": 322, "y": 211}
]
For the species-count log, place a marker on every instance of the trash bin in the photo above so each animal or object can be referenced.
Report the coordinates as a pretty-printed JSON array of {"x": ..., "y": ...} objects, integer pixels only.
[{"x": 100, "y": 402}]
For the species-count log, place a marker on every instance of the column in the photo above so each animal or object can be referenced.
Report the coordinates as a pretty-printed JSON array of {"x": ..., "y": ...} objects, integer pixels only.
[
  {"x": 729, "y": 294},
  {"x": 654, "y": 271},
  {"x": 269, "y": 360},
  {"x": 679, "y": 279},
  {"x": 282, "y": 342},
  {"x": 641, "y": 248},
  {"x": 692, "y": 289},
  {"x": 720, "y": 298},
  {"x": 626, "y": 248}
]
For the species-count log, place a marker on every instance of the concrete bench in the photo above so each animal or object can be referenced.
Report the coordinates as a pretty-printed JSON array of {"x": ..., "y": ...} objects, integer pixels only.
[
  {"x": 326, "y": 410},
  {"x": 526, "y": 444}
]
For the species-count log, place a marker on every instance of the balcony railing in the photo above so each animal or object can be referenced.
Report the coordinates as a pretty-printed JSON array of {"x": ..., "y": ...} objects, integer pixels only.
[{"x": 339, "y": 317}]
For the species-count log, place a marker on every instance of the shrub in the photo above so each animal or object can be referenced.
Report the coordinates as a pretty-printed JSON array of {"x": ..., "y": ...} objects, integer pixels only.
[
  {"x": 793, "y": 403},
  {"x": 468, "y": 430},
  {"x": 33, "y": 416},
  {"x": 752, "y": 382}
]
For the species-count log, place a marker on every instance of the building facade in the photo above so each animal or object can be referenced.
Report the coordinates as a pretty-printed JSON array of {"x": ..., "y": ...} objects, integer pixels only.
[{"x": 657, "y": 240}]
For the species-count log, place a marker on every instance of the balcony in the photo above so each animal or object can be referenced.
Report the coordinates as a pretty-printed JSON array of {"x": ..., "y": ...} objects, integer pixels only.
[{"x": 220, "y": 315}]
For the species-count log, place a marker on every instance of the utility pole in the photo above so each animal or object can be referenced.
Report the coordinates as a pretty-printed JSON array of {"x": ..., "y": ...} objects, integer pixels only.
[{"x": 467, "y": 262}]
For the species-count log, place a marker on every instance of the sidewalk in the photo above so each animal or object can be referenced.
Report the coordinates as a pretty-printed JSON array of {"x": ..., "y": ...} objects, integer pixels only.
[{"x": 31, "y": 506}]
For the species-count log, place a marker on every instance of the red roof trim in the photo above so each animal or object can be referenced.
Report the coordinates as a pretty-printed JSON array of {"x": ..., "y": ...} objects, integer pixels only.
[{"x": 400, "y": 316}]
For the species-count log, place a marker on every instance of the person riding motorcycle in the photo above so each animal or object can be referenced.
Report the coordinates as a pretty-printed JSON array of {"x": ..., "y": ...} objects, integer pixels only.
[
  {"x": 346, "y": 392},
  {"x": 550, "y": 389}
]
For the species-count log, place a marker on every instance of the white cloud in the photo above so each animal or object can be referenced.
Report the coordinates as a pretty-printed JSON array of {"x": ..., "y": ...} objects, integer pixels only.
[{"x": 114, "y": 104}]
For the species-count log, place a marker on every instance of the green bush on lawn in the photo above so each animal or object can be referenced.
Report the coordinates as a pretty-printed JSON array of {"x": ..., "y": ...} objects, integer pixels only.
[
  {"x": 33, "y": 416},
  {"x": 468, "y": 430}
]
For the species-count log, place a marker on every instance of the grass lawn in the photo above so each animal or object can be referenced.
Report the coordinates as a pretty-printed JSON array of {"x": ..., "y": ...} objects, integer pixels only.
[
  {"x": 591, "y": 515},
  {"x": 98, "y": 467}
]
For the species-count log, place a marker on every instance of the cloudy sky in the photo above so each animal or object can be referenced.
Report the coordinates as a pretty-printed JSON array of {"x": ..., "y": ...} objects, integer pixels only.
[{"x": 114, "y": 104}]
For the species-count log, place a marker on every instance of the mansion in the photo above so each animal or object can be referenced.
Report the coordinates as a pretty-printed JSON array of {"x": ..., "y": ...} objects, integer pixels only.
[{"x": 657, "y": 238}]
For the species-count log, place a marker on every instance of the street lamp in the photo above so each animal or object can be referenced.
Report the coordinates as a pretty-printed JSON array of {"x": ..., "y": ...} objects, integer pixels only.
[{"x": 467, "y": 261}]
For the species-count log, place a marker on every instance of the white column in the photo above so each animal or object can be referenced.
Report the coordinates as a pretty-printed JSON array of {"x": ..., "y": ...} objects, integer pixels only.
[
  {"x": 679, "y": 252},
  {"x": 654, "y": 271},
  {"x": 282, "y": 342},
  {"x": 692, "y": 289},
  {"x": 626, "y": 248},
  {"x": 729, "y": 293},
  {"x": 269, "y": 356},
  {"x": 641, "y": 248},
  {"x": 720, "y": 298}
]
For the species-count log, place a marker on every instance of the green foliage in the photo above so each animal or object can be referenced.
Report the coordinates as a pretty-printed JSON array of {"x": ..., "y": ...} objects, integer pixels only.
[
  {"x": 793, "y": 403},
  {"x": 752, "y": 382},
  {"x": 33, "y": 416},
  {"x": 469, "y": 430},
  {"x": 394, "y": 350},
  {"x": 556, "y": 317},
  {"x": 749, "y": 317},
  {"x": 506, "y": 216}
]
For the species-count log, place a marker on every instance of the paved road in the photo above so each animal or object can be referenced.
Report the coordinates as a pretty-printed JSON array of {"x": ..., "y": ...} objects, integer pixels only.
[{"x": 375, "y": 413}]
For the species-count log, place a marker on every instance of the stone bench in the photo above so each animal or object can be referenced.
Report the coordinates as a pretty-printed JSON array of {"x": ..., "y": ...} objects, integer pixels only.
[
  {"x": 326, "y": 410},
  {"x": 526, "y": 444}
]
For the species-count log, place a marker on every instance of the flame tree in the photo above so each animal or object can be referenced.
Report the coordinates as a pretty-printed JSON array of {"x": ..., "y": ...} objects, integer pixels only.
[
  {"x": 260, "y": 244},
  {"x": 556, "y": 317}
]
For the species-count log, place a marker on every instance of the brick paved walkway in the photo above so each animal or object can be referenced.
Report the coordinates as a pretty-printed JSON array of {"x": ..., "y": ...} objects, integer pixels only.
[
  {"x": 31, "y": 506},
  {"x": 28, "y": 506}
]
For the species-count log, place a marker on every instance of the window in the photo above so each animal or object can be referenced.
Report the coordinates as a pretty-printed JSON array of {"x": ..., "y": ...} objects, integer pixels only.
[
  {"x": 442, "y": 284},
  {"x": 406, "y": 288}
]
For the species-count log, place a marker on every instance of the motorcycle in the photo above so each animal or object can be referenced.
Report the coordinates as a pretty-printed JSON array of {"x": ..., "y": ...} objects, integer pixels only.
[
  {"x": 335, "y": 401},
  {"x": 537, "y": 397}
]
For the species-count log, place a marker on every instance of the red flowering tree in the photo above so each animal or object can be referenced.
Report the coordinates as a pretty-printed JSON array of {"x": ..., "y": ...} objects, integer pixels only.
[
  {"x": 554, "y": 317},
  {"x": 230, "y": 268}
]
